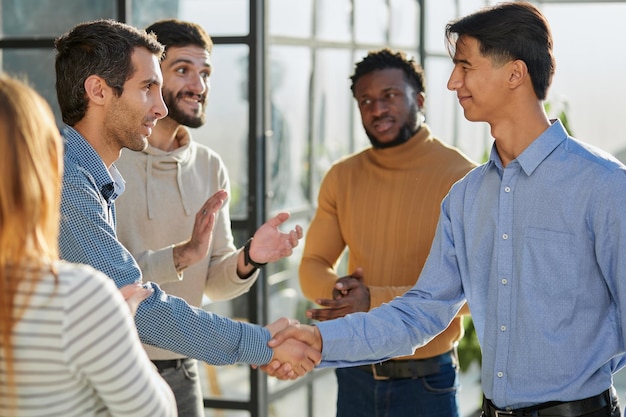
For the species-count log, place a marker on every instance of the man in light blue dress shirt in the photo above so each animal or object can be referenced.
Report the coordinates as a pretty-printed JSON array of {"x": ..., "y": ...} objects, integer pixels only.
[{"x": 534, "y": 240}]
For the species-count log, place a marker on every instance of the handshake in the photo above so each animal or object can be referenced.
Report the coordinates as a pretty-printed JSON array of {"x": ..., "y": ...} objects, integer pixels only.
[{"x": 297, "y": 349}]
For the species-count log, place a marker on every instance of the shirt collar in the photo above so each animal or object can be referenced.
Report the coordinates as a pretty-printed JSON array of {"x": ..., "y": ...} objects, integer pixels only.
[
  {"x": 537, "y": 151},
  {"x": 79, "y": 151},
  {"x": 118, "y": 181}
]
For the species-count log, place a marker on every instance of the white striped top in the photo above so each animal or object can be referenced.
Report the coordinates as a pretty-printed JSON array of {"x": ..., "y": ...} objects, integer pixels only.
[{"x": 77, "y": 353}]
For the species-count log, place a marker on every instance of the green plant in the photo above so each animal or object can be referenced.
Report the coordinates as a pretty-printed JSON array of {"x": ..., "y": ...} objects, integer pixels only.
[
  {"x": 469, "y": 348},
  {"x": 560, "y": 114}
]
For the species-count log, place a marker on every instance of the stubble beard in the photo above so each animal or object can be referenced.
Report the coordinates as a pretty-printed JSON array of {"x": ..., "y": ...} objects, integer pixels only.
[{"x": 117, "y": 132}]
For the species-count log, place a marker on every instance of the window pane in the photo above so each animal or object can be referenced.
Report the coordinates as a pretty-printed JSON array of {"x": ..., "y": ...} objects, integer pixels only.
[
  {"x": 290, "y": 18},
  {"x": 333, "y": 20},
  {"x": 50, "y": 17},
  {"x": 285, "y": 299},
  {"x": 146, "y": 12},
  {"x": 470, "y": 6},
  {"x": 332, "y": 98},
  {"x": 361, "y": 141},
  {"x": 218, "y": 17},
  {"x": 404, "y": 27},
  {"x": 287, "y": 147},
  {"x": 438, "y": 14},
  {"x": 371, "y": 18},
  {"x": 445, "y": 116},
  {"x": 226, "y": 127},
  {"x": 225, "y": 383},
  {"x": 588, "y": 82},
  {"x": 37, "y": 67},
  {"x": 324, "y": 387},
  {"x": 286, "y": 405}
]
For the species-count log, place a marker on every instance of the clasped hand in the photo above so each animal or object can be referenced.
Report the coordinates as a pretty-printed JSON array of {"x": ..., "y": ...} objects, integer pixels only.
[
  {"x": 350, "y": 295},
  {"x": 297, "y": 349}
]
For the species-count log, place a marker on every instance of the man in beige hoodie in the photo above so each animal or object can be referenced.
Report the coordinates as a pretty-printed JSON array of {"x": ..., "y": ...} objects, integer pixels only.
[{"x": 175, "y": 187}]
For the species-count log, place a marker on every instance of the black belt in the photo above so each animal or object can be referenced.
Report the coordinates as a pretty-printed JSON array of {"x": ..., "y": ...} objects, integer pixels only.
[
  {"x": 554, "y": 408},
  {"x": 409, "y": 368},
  {"x": 168, "y": 364}
]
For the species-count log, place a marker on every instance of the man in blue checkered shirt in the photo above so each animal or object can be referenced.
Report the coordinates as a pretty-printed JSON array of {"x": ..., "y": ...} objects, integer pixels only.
[{"x": 109, "y": 91}]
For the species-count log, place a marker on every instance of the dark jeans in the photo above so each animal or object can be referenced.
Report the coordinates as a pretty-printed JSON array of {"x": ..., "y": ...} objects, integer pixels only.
[
  {"x": 185, "y": 384},
  {"x": 359, "y": 394}
]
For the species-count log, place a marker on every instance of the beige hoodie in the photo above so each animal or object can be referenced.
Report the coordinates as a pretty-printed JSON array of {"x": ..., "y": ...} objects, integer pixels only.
[{"x": 164, "y": 191}]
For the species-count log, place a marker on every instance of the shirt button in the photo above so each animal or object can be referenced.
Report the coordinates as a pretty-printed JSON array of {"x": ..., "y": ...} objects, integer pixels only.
[
  {"x": 503, "y": 328},
  {"x": 505, "y": 236},
  {"x": 500, "y": 374},
  {"x": 504, "y": 281},
  {"x": 507, "y": 189}
]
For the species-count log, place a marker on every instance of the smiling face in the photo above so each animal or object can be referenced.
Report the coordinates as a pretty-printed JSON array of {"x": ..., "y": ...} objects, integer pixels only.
[
  {"x": 131, "y": 117},
  {"x": 389, "y": 106},
  {"x": 186, "y": 72},
  {"x": 480, "y": 85}
]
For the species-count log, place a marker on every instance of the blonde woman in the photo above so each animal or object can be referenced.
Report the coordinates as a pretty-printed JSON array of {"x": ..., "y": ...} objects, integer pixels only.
[{"x": 68, "y": 346}]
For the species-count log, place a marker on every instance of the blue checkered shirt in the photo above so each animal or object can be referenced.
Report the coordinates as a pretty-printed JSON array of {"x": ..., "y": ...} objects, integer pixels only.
[{"x": 88, "y": 236}]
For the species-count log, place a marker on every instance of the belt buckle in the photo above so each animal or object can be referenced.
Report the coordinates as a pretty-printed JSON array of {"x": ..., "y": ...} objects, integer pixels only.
[
  {"x": 498, "y": 413},
  {"x": 378, "y": 377}
]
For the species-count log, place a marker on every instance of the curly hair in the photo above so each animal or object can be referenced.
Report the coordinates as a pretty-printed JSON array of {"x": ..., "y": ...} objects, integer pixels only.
[{"x": 386, "y": 58}]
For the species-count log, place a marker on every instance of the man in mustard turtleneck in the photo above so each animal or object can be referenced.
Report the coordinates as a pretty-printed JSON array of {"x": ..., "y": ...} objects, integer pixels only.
[{"x": 383, "y": 204}]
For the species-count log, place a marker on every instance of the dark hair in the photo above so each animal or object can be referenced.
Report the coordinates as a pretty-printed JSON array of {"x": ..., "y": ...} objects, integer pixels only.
[
  {"x": 386, "y": 58},
  {"x": 174, "y": 32},
  {"x": 510, "y": 31},
  {"x": 103, "y": 48}
]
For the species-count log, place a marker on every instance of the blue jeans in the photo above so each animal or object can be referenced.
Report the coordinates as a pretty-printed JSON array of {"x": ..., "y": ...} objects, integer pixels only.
[
  {"x": 359, "y": 394},
  {"x": 185, "y": 383}
]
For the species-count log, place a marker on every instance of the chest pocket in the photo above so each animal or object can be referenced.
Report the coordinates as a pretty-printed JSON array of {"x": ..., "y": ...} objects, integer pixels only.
[{"x": 548, "y": 260}]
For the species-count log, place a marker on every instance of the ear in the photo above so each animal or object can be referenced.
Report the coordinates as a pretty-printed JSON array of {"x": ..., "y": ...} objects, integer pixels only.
[
  {"x": 518, "y": 73},
  {"x": 96, "y": 89},
  {"x": 420, "y": 98}
]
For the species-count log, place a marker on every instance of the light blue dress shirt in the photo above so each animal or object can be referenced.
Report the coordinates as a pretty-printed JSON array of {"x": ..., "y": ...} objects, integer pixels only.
[
  {"x": 88, "y": 236},
  {"x": 538, "y": 250}
]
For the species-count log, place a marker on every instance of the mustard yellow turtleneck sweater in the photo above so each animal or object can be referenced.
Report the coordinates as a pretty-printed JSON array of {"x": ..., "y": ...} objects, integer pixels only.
[{"x": 383, "y": 205}]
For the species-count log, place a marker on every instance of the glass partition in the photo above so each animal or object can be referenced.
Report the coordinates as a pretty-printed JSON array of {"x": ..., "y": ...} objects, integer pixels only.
[
  {"x": 36, "y": 66},
  {"x": 332, "y": 99},
  {"x": 371, "y": 21},
  {"x": 287, "y": 143},
  {"x": 300, "y": 21},
  {"x": 226, "y": 127},
  {"x": 334, "y": 20},
  {"x": 405, "y": 26},
  {"x": 37, "y": 18}
]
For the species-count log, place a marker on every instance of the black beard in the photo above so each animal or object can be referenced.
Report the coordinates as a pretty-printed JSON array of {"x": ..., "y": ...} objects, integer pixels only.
[
  {"x": 407, "y": 131},
  {"x": 180, "y": 116}
]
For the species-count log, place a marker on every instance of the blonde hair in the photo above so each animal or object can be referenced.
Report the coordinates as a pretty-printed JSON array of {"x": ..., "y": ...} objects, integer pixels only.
[{"x": 30, "y": 188}]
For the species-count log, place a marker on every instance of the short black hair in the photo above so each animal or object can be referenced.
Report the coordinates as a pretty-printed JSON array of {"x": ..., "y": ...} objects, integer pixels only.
[
  {"x": 178, "y": 33},
  {"x": 386, "y": 58},
  {"x": 510, "y": 31}
]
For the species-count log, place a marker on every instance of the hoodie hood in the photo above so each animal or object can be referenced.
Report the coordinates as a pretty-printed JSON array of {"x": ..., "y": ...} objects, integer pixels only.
[{"x": 159, "y": 160}]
